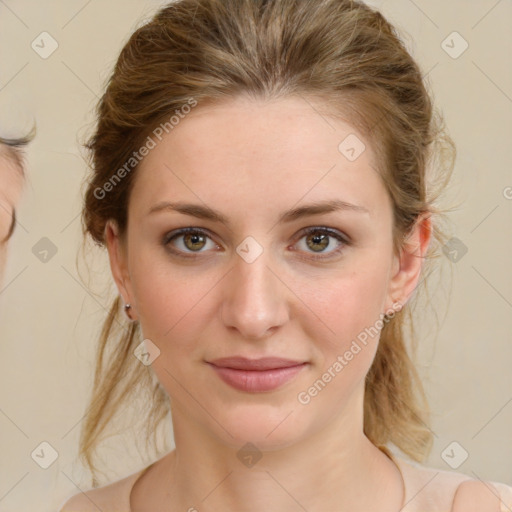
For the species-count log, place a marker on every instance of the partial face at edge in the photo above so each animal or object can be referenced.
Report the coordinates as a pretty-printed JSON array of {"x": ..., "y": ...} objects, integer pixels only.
[
  {"x": 304, "y": 296},
  {"x": 11, "y": 185}
]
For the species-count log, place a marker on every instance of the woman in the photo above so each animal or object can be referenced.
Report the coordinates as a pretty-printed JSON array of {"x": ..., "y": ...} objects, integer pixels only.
[
  {"x": 260, "y": 184},
  {"x": 11, "y": 180}
]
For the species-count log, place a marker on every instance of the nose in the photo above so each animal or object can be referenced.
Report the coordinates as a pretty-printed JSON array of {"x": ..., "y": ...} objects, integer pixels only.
[{"x": 255, "y": 300}]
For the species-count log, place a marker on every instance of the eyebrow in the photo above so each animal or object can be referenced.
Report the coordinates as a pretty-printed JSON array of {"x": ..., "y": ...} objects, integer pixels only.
[{"x": 207, "y": 213}]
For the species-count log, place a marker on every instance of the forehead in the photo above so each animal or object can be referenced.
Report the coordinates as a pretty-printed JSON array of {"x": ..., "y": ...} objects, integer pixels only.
[
  {"x": 276, "y": 151},
  {"x": 279, "y": 127}
]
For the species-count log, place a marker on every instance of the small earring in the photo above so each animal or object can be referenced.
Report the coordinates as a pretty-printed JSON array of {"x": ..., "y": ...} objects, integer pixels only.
[
  {"x": 396, "y": 307},
  {"x": 127, "y": 308}
]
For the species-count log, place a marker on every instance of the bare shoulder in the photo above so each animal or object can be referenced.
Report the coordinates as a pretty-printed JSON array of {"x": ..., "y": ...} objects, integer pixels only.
[
  {"x": 430, "y": 488},
  {"x": 113, "y": 497},
  {"x": 81, "y": 502},
  {"x": 479, "y": 496}
]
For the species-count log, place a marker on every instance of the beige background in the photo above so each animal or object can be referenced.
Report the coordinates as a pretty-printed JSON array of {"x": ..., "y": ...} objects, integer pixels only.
[{"x": 49, "y": 320}]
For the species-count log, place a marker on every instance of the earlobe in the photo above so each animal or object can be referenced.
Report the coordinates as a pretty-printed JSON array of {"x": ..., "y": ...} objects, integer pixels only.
[
  {"x": 408, "y": 265},
  {"x": 118, "y": 264}
]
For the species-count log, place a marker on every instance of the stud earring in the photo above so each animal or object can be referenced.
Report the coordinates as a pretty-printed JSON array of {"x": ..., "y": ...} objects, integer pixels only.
[
  {"x": 127, "y": 308},
  {"x": 399, "y": 305},
  {"x": 396, "y": 307}
]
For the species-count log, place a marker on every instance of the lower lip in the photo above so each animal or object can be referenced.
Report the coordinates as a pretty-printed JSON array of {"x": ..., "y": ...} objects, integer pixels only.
[{"x": 256, "y": 381}]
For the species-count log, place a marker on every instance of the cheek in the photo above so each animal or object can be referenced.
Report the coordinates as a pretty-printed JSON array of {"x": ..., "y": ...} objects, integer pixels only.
[
  {"x": 5, "y": 220},
  {"x": 346, "y": 305},
  {"x": 344, "y": 334},
  {"x": 172, "y": 303},
  {"x": 345, "y": 329}
]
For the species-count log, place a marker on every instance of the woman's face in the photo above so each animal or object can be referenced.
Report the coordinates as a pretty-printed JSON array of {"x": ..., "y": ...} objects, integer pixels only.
[
  {"x": 258, "y": 285},
  {"x": 11, "y": 184}
]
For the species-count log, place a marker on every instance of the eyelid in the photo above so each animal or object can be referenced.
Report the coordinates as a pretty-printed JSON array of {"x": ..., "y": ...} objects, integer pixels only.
[
  {"x": 343, "y": 238},
  {"x": 175, "y": 233},
  {"x": 331, "y": 231}
]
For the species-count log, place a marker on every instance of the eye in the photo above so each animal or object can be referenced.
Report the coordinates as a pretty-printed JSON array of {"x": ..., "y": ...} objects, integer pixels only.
[
  {"x": 193, "y": 240},
  {"x": 317, "y": 239}
]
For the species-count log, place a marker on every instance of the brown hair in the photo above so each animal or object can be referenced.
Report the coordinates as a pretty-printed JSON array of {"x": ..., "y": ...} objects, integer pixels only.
[{"x": 342, "y": 52}]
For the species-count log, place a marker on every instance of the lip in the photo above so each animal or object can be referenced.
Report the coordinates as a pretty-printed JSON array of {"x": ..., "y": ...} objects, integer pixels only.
[
  {"x": 256, "y": 375},
  {"x": 263, "y": 363}
]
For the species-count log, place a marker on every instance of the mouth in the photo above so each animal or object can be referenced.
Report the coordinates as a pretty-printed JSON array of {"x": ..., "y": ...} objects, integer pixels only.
[
  {"x": 264, "y": 363},
  {"x": 256, "y": 375}
]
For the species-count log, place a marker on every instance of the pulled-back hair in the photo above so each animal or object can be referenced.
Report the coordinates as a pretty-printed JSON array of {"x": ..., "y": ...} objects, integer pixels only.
[{"x": 341, "y": 52}]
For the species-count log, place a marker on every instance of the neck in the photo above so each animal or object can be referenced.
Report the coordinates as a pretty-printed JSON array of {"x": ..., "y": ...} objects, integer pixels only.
[{"x": 336, "y": 468}]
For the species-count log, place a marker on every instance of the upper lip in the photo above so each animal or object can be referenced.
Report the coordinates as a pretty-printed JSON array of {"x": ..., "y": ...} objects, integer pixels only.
[{"x": 264, "y": 363}]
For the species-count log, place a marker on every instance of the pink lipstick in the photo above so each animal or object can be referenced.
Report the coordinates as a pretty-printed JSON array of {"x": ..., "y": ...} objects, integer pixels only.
[{"x": 256, "y": 375}]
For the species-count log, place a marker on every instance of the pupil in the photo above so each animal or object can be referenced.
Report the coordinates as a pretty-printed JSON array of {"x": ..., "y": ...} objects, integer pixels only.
[
  {"x": 317, "y": 239},
  {"x": 195, "y": 239}
]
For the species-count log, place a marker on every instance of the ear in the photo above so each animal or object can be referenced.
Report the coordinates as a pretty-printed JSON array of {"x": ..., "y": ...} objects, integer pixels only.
[
  {"x": 408, "y": 264},
  {"x": 116, "y": 247}
]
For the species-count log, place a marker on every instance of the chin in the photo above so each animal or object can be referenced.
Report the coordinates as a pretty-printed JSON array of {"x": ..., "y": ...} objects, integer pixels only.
[{"x": 266, "y": 427}]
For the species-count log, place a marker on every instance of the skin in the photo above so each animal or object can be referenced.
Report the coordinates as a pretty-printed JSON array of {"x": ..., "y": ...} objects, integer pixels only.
[
  {"x": 11, "y": 186},
  {"x": 252, "y": 160}
]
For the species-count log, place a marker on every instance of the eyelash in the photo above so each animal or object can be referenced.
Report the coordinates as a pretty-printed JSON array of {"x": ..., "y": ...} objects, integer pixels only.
[{"x": 168, "y": 238}]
